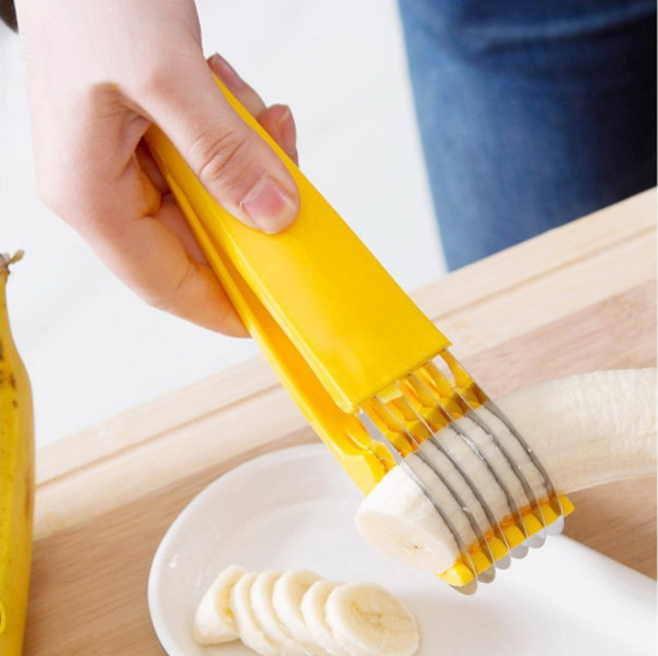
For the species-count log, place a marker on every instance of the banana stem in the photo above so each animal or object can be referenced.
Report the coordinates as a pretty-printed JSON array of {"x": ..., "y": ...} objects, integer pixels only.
[{"x": 7, "y": 260}]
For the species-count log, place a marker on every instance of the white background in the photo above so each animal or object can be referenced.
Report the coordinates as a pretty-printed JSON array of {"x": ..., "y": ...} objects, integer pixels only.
[{"x": 91, "y": 347}]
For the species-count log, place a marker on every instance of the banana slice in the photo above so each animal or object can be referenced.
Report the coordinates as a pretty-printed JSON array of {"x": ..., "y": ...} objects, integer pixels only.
[
  {"x": 250, "y": 631},
  {"x": 401, "y": 523},
  {"x": 313, "y": 612},
  {"x": 214, "y": 622},
  {"x": 289, "y": 591},
  {"x": 366, "y": 620},
  {"x": 586, "y": 430},
  {"x": 261, "y": 603}
]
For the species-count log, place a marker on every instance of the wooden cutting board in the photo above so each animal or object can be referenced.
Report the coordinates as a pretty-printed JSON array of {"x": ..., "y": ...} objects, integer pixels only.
[{"x": 579, "y": 298}]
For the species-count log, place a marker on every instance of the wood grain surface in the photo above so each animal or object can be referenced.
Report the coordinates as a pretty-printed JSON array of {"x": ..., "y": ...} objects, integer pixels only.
[{"x": 576, "y": 299}]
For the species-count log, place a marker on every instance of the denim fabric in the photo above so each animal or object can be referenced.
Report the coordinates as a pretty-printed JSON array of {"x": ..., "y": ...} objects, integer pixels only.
[{"x": 532, "y": 112}]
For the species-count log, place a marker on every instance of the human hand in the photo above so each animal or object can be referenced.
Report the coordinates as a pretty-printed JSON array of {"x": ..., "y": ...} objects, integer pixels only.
[{"x": 99, "y": 73}]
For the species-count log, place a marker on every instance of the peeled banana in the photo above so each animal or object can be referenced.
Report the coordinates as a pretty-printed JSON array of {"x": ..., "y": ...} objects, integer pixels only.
[
  {"x": 250, "y": 631},
  {"x": 287, "y": 597},
  {"x": 313, "y": 610},
  {"x": 214, "y": 622},
  {"x": 262, "y": 594},
  {"x": 298, "y": 613},
  {"x": 16, "y": 480},
  {"x": 367, "y": 621},
  {"x": 586, "y": 430}
]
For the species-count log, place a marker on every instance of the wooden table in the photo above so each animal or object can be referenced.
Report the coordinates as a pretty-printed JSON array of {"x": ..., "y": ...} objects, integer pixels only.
[{"x": 576, "y": 299}]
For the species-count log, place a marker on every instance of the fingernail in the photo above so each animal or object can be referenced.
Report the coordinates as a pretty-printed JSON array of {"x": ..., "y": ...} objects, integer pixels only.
[
  {"x": 226, "y": 72},
  {"x": 269, "y": 206}
]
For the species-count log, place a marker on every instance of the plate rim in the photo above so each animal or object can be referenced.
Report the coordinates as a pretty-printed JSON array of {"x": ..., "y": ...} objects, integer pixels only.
[{"x": 270, "y": 458}]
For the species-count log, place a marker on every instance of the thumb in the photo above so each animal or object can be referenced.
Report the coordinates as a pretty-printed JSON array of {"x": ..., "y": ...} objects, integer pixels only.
[{"x": 235, "y": 165}]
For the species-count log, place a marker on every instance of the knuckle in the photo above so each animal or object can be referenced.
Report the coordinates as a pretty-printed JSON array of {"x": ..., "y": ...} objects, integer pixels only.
[
  {"x": 53, "y": 190},
  {"x": 159, "y": 300},
  {"x": 49, "y": 191},
  {"x": 70, "y": 199},
  {"x": 168, "y": 298},
  {"x": 220, "y": 158},
  {"x": 60, "y": 189},
  {"x": 153, "y": 81}
]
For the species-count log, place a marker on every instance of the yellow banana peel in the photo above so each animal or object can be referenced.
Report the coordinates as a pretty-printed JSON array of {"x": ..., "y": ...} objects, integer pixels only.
[{"x": 16, "y": 481}]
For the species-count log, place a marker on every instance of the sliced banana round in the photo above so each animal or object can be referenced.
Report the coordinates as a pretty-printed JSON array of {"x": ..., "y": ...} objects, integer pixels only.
[
  {"x": 250, "y": 631},
  {"x": 401, "y": 523},
  {"x": 261, "y": 603},
  {"x": 214, "y": 622},
  {"x": 586, "y": 430},
  {"x": 313, "y": 611},
  {"x": 366, "y": 620},
  {"x": 287, "y": 596}
]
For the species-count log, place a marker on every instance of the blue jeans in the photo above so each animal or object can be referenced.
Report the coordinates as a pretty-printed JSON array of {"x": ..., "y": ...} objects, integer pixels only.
[{"x": 532, "y": 112}]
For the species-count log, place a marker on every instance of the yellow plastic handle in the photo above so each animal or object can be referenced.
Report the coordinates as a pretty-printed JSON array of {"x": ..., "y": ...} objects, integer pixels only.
[
  {"x": 364, "y": 460},
  {"x": 354, "y": 326}
]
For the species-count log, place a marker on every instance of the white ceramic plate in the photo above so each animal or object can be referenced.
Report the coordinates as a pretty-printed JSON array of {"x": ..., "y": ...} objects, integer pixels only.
[{"x": 294, "y": 509}]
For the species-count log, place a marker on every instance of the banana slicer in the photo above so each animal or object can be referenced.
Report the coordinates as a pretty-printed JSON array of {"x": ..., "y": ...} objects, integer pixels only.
[{"x": 371, "y": 373}]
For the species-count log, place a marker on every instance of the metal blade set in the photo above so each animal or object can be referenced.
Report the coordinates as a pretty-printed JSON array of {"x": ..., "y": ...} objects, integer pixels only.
[{"x": 433, "y": 406}]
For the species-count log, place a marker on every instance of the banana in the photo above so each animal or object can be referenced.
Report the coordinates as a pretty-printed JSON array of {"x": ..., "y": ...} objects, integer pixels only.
[
  {"x": 590, "y": 429},
  {"x": 313, "y": 612},
  {"x": 297, "y": 613},
  {"x": 250, "y": 631},
  {"x": 366, "y": 620},
  {"x": 289, "y": 590},
  {"x": 261, "y": 602},
  {"x": 214, "y": 622},
  {"x": 401, "y": 524},
  {"x": 586, "y": 430},
  {"x": 16, "y": 481}
]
